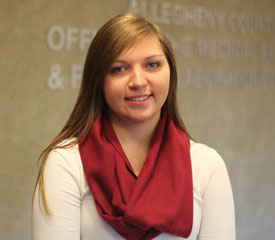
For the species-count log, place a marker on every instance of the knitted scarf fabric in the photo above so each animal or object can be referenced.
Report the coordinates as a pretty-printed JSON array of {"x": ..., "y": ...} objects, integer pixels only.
[{"x": 159, "y": 200}]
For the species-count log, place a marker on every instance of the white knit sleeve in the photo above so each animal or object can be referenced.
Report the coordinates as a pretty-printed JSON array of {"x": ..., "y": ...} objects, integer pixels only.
[
  {"x": 218, "y": 215},
  {"x": 63, "y": 197}
]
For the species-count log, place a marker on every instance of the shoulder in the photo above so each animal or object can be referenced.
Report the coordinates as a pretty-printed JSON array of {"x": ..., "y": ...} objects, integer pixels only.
[
  {"x": 65, "y": 157},
  {"x": 63, "y": 172},
  {"x": 202, "y": 154},
  {"x": 207, "y": 166},
  {"x": 67, "y": 149}
]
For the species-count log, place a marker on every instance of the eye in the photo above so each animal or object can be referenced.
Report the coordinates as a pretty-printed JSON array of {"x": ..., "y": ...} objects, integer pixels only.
[
  {"x": 117, "y": 69},
  {"x": 153, "y": 64}
]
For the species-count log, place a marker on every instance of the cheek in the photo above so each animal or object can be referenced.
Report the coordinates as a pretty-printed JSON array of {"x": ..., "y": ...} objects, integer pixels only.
[
  {"x": 112, "y": 91},
  {"x": 164, "y": 84},
  {"x": 161, "y": 88}
]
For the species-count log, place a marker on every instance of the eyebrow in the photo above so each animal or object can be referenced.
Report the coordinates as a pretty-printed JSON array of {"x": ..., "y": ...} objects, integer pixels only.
[
  {"x": 147, "y": 58},
  {"x": 156, "y": 55}
]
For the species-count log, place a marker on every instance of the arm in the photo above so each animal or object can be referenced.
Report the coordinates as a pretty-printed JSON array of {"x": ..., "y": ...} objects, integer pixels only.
[
  {"x": 63, "y": 198},
  {"x": 218, "y": 216}
]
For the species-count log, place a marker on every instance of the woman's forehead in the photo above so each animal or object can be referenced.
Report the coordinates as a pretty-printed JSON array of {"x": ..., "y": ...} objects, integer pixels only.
[{"x": 149, "y": 44}]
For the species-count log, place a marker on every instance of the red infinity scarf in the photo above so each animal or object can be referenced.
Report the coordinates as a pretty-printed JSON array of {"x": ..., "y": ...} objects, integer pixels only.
[{"x": 159, "y": 200}]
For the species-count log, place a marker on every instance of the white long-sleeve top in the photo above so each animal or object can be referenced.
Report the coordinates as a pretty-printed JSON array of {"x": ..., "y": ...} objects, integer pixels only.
[{"x": 75, "y": 216}]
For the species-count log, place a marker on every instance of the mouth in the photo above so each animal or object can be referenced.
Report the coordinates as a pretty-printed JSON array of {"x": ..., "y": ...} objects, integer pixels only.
[{"x": 138, "y": 98}]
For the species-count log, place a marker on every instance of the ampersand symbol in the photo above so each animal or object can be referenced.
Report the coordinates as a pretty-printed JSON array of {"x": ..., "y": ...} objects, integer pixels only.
[{"x": 55, "y": 81}]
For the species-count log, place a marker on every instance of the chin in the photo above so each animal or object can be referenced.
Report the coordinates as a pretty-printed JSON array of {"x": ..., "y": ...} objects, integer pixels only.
[{"x": 143, "y": 117}]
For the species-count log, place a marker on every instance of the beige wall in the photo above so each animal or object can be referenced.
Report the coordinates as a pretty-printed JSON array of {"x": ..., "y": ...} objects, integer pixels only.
[{"x": 227, "y": 91}]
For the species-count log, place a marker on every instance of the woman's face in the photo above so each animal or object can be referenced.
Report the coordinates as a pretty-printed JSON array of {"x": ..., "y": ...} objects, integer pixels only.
[{"x": 137, "y": 83}]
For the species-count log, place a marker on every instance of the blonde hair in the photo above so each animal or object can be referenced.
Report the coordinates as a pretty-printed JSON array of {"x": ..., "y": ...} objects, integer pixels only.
[{"x": 114, "y": 36}]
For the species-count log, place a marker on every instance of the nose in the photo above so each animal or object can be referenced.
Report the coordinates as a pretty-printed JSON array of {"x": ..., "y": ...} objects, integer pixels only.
[{"x": 137, "y": 78}]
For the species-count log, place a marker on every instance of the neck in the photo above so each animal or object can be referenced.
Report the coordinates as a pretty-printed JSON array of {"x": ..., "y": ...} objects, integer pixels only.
[
  {"x": 135, "y": 132},
  {"x": 135, "y": 138}
]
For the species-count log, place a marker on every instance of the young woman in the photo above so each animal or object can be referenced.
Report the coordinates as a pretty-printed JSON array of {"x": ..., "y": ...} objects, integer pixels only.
[{"x": 124, "y": 166}]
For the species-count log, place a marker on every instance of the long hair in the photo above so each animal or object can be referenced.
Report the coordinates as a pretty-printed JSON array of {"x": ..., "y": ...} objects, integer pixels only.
[{"x": 117, "y": 34}]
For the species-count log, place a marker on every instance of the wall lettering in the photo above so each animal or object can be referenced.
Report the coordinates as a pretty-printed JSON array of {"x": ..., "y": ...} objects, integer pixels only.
[
  {"x": 59, "y": 38},
  {"x": 178, "y": 14},
  {"x": 241, "y": 46}
]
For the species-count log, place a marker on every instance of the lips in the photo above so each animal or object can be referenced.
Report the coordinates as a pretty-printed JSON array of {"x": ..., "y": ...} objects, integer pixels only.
[{"x": 139, "y": 98}]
